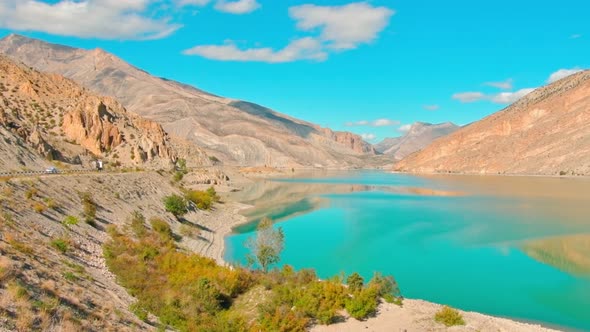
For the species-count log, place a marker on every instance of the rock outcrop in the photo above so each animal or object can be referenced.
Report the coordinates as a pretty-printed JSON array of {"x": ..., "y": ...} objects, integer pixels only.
[
  {"x": 351, "y": 141},
  {"x": 546, "y": 132},
  {"x": 60, "y": 120}
]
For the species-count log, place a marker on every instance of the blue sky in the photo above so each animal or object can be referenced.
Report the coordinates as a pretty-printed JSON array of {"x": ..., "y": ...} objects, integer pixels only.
[{"x": 368, "y": 67}]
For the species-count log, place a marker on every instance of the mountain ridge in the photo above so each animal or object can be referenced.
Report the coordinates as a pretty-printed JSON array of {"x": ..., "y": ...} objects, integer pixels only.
[
  {"x": 235, "y": 131},
  {"x": 544, "y": 133},
  {"x": 416, "y": 138}
]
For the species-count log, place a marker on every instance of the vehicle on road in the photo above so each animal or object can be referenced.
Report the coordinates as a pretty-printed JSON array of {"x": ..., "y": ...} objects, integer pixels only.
[{"x": 51, "y": 170}]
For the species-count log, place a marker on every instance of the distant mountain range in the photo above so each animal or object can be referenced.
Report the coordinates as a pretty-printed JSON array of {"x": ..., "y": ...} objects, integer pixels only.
[
  {"x": 547, "y": 132},
  {"x": 419, "y": 136},
  {"x": 237, "y": 132}
]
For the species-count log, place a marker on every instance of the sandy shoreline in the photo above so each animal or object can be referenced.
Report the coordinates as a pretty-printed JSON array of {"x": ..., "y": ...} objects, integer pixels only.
[
  {"x": 418, "y": 315},
  {"x": 217, "y": 224}
]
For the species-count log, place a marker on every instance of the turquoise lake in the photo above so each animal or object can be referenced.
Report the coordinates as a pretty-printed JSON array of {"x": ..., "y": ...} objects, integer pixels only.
[{"x": 516, "y": 247}]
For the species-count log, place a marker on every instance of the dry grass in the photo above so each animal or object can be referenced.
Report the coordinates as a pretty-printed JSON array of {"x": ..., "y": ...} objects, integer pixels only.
[
  {"x": 6, "y": 269},
  {"x": 39, "y": 207},
  {"x": 18, "y": 244},
  {"x": 48, "y": 286}
]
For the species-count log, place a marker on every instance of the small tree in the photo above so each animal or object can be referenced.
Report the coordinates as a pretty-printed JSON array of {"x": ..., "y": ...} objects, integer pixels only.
[
  {"x": 176, "y": 205},
  {"x": 386, "y": 287},
  {"x": 266, "y": 247},
  {"x": 355, "y": 282}
]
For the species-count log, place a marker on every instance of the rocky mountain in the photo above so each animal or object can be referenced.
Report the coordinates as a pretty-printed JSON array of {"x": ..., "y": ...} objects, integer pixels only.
[
  {"x": 49, "y": 117},
  {"x": 419, "y": 136},
  {"x": 546, "y": 132},
  {"x": 234, "y": 131}
]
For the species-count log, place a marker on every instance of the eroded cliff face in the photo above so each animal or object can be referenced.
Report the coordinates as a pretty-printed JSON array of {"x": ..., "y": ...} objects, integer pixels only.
[
  {"x": 547, "y": 132},
  {"x": 101, "y": 125},
  {"x": 61, "y": 120},
  {"x": 349, "y": 140}
]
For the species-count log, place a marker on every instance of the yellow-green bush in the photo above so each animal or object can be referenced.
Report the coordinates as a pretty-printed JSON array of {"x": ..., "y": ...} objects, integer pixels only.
[
  {"x": 449, "y": 317},
  {"x": 70, "y": 221},
  {"x": 201, "y": 199}
]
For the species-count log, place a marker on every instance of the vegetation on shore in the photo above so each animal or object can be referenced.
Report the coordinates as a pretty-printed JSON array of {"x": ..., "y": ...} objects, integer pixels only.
[
  {"x": 449, "y": 317},
  {"x": 189, "y": 292}
]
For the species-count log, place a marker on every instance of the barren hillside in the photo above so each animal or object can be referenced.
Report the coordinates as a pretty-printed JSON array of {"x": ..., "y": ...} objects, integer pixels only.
[
  {"x": 235, "y": 131},
  {"x": 45, "y": 117},
  {"x": 546, "y": 132}
]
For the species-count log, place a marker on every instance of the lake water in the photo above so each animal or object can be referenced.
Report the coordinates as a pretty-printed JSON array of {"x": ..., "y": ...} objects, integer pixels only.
[{"x": 516, "y": 247}]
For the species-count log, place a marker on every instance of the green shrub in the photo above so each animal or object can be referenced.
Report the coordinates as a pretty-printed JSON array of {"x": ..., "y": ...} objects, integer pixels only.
[
  {"x": 363, "y": 304},
  {"x": 178, "y": 176},
  {"x": 161, "y": 227},
  {"x": 213, "y": 194},
  {"x": 386, "y": 287},
  {"x": 322, "y": 300},
  {"x": 176, "y": 205},
  {"x": 70, "y": 220},
  {"x": 60, "y": 244},
  {"x": 138, "y": 311},
  {"x": 449, "y": 317},
  {"x": 283, "y": 319},
  {"x": 69, "y": 276},
  {"x": 201, "y": 199},
  {"x": 185, "y": 291},
  {"x": 355, "y": 282}
]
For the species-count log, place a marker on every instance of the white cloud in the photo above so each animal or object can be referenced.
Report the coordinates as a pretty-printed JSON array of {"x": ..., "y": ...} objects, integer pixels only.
[
  {"x": 304, "y": 48},
  {"x": 384, "y": 123},
  {"x": 368, "y": 137},
  {"x": 343, "y": 27},
  {"x": 510, "y": 97},
  {"x": 576, "y": 36},
  {"x": 431, "y": 107},
  {"x": 504, "y": 85},
  {"x": 499, "y": 98},
  {"x": 374, "y": 123},
  {"x": 199, "y": 3},
  {"x": 562, "y": 73},
  {"x": 104, "y": 19},
  {"x": 469, "y": 97},
  {"x": 330, "y": 28},
  {"x": 405, "y": 128},
  {"x": 237, "y": 7}
]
